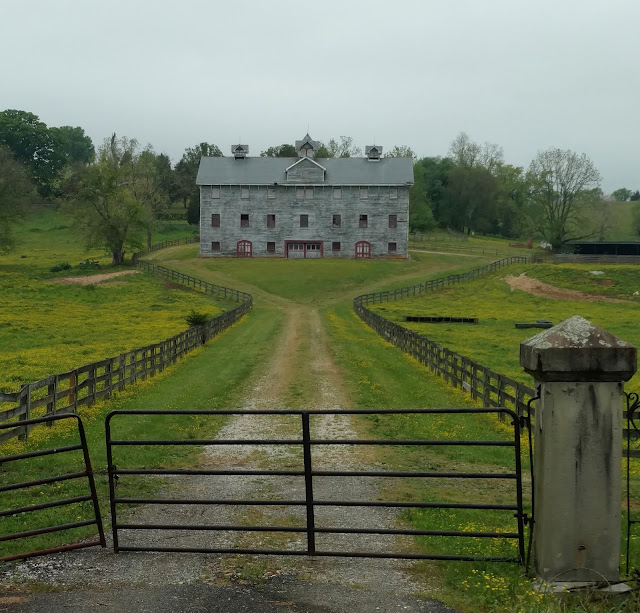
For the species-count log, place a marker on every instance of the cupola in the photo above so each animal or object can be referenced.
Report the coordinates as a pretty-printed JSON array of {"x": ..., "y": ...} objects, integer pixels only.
[
  {"x": 239, "y": 151},
  {"x": 373, "y": 152},
  {"x": 307, "y": 147}
]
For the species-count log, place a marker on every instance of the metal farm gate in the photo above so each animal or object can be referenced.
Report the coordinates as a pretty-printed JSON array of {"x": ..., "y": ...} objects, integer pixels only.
[
  {"x": 47, "y": 483},
  {"x": 300, "y": 487}
]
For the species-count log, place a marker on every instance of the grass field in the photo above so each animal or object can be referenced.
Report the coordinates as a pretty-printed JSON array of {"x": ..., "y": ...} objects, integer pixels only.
[
  {"x": 48, "y": 327},
  {"x": 495, "y": 341},
  {"x": 376, "y": 375}
]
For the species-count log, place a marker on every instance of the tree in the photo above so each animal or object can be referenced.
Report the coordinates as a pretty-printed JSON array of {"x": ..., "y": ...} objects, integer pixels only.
[
  {"x": 420, "y": 214},
  {"x": 464, "y": 152},
  {"x": 187, "y": 170},
  {"x": 74, "y": 144},
  {"x": 109, "y": 205},
  {"x": 344, "y": 148},
  {"x": 470, "y": 200},
  {"x": 16, "y": 190},
  {"x": 32, "y": 143},
  {"x": 402, "y": 151},
  {"x": 511, "y": 200},
  {"x": 281, "y": 151},
  {"x": 622, "y": 195},
  {"x": 562, "y": 189},
  {"x": 634, "y": 196}
]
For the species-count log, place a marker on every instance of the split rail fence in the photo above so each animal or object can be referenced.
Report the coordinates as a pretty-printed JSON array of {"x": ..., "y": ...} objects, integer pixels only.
[
  {"x": 65, "y": 392},
  {"x": 485, "y": 385},
  {"x": 490, "y": 388}
]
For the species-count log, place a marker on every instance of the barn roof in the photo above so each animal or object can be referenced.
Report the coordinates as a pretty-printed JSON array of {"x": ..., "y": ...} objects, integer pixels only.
[{"x": 340, "y": 171}]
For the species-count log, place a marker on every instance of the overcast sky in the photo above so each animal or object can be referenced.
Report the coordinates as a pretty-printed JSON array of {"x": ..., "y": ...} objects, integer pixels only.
[{"x": 526, "y": 74}]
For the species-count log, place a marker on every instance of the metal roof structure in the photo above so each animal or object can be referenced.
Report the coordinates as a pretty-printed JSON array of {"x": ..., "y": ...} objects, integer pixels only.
[{"x": 270, "y": 171}]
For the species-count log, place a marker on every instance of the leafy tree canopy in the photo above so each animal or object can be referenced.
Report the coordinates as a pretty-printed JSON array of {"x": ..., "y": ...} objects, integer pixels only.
[
  {"x": 622, "y": 195},
  {"x": 16, "y": 190},
  {"x": 33, "y": 144},
  {"x": 342, "y": 148},
  {"x": 400, "y": 151},
  {"x": 116, "y": 199},
  {"x": 564, "y": 188},
  {"x": 281, "y": 151},
  {"x": 74, "y": 144}
]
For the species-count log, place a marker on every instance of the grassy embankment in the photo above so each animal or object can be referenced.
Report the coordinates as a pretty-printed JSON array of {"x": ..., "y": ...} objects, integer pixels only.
[
  {"x": 48, "y": 327},
  {"x": 376, "y": 374}
]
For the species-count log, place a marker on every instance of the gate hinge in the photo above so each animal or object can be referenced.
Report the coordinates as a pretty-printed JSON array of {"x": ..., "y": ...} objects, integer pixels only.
[{"x": 526, "y": 520}]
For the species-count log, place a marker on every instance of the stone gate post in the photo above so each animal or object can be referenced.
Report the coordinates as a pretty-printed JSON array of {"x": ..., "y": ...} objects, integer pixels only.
[{"x": 580, "y": 370}]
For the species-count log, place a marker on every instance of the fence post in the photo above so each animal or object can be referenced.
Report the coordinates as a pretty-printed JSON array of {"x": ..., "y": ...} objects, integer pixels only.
[
  {"x": 579, "y": 370},
  {"x": 52, "y": 390}
]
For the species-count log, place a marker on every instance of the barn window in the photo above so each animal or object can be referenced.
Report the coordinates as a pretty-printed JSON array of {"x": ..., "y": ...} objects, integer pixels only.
[
  {"x": 271, "y": 193},
  {"x": 271, "y": 247},
  {"x": 393, "y": 193},
  {"x": 271, "y": 221},
  {"x": 337, "y": 220},
  {"x": 215, "y": 246},
  {"x": 335, "y": 246},
  {"x": 364, "y": 221},
  {"x": 300, "y": 193},
  {"x": 244, "y": 192},
  {"x": 215, "y": 191},
  {"x": 244, "y": 220},
  {"x": 364, "y": 193},
  {"x": 215, "y": 220},
  {"x": 304, "y": 221},
  {"x": 308, "y": 193},
  {"x": 392, "y": 247},
  {"x": 337, "y": 193},
  {"x": 393, "y": 221}
]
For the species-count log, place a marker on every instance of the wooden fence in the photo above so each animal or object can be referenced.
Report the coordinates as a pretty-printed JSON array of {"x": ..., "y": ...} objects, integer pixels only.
[
  {"x": 578, "y": 258},
  {"x": 65, "y": 392},
  {"x": 482, "y": 383}
]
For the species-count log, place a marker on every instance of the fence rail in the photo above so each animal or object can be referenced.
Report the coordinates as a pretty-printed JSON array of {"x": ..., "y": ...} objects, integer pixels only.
[
  {"x": 482, "y": 383},
  {"x": 65, "y": 392},
  {"x": 577, "y": 258}
]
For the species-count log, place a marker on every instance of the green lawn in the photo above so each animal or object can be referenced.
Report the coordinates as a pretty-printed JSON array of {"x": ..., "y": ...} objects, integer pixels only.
[
  {"x": 48, "y": 327},
  {"x": 494, "y": 341}
]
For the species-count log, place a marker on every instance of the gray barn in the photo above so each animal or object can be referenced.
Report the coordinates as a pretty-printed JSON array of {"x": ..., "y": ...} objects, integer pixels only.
[{"x": 304, "y": 207}]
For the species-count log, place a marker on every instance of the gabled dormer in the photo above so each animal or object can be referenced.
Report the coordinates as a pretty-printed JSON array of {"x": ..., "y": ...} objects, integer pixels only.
[
  {"x": 305, "y": 170},
  {"x": 373, "y": 152},
  {"x": 307, "y": 147},
  {"x": 239, "y": 151}
]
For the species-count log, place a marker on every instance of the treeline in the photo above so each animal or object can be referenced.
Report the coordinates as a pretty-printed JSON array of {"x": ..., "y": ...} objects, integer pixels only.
[
  {"x": 473, "y": 189},
  {"x": 117, "y": 193}
]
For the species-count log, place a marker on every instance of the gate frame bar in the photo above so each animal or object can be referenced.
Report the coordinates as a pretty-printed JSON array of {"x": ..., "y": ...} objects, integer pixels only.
[
  {"x": 88, "y": 473},
  {"x": 308, "y": 473}
]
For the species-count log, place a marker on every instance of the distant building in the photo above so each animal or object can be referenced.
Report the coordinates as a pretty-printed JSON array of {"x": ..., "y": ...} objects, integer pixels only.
[{"x": 304, "y": 207}]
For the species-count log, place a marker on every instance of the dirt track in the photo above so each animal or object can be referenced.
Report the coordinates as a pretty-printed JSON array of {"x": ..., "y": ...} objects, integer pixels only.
[
  {"x": 300, "y": 374},
  {"x": 538, "y": 288}
]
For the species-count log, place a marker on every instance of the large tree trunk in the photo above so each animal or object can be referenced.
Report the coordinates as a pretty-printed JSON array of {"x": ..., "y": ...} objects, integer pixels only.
[{"x": 117, "y": 256}]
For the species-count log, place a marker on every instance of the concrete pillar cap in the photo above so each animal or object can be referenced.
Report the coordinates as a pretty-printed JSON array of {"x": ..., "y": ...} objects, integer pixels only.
[{"x": 577, "y": 350}]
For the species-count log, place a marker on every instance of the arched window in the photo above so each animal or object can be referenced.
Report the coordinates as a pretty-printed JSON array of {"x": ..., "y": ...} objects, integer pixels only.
[
  {"x": 363, "y": 249},
  {"x": 244, "y": 249}
]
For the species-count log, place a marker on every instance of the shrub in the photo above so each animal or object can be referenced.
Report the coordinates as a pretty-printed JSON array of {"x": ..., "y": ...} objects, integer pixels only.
[
  {"x": 196, "y": 318},
  {"x": 60, "y": 267}
]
